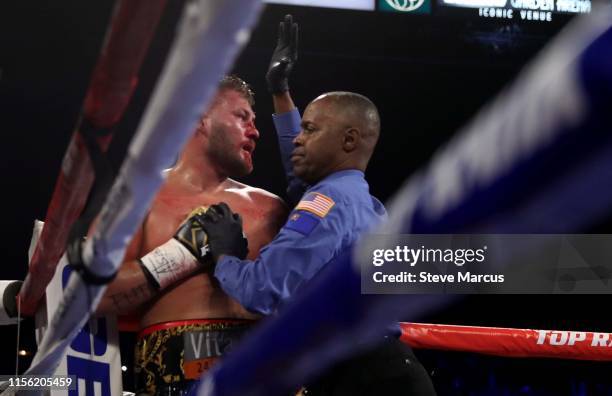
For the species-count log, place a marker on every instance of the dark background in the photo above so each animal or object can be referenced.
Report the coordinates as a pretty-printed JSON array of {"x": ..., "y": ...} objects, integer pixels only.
[{"x": 427, "y": 74}]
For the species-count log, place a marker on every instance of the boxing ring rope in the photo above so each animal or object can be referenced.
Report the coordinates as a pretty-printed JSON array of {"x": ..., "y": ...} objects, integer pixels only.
[
  {"x": 339, "y": 319},
  {"x": 113, "y": 81},
  {"x": 179, "y": 97},
  {"x": 497, "y": 341},
  {"x": 536, "y": 156}
]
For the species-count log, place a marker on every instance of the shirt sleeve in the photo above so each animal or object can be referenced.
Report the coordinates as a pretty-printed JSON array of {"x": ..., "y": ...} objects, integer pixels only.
[
  {"x": 303, "y": 246},
  {"x": 287, "y": 127}
]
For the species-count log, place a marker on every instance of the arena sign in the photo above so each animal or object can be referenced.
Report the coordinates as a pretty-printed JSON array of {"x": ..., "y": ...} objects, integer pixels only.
[
  {"x": 411, "y": 6},
  {"x": 347, "y": 4},
  {"x": 524, "y": 10}
]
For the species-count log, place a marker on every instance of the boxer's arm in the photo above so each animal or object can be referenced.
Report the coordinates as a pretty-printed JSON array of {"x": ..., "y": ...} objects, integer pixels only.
[
  {"x": 128, "y": 291},
  {"x": 139, "y": 280},
  {"x": 130, "y": 288}
]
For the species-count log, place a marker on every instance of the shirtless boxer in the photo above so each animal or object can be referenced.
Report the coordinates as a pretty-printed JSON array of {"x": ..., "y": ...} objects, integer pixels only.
[{"x": 174, "y": 315}]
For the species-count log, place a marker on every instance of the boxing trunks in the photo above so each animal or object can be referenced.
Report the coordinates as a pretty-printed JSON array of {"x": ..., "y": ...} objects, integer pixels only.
[{"x": 169, "y": 356}]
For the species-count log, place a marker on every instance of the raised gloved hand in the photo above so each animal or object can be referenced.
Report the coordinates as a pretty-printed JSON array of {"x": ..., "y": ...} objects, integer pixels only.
[
  {"x": 283, "y": 57},
  {"x": 224, "y": 230},
  {"x": 182, "y": 255}
]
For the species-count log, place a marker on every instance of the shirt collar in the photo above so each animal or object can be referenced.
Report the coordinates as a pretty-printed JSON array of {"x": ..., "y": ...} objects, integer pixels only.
[{"x": 345, "y": 173}]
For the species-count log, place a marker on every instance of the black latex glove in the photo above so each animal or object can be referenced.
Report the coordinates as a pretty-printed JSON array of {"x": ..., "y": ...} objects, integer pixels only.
[
  {"x": 224, "y": 230},
  {"x": 283, "y": 57}
]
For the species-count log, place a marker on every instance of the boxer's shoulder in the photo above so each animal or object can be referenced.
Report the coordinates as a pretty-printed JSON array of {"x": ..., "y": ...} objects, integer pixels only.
[
  {"x": 263, "y": 211},
  {"x": 256, "y": 196}
]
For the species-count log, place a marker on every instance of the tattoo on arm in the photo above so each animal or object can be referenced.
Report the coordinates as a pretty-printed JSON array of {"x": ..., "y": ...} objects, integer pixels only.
[{"x": 126, "y": 301}]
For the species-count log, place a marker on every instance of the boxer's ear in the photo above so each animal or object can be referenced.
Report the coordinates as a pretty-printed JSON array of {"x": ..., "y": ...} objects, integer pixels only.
[{"x": 204, "y": 125}]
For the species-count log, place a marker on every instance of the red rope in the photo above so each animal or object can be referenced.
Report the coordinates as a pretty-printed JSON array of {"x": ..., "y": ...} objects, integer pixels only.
[
  {"x": 114, "y": 79},
  {"x": 580, "y": 345}
]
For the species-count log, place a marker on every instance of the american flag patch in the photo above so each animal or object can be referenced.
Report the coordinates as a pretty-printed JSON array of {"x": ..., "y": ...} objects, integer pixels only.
[{"x": 316, "y": 203}]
